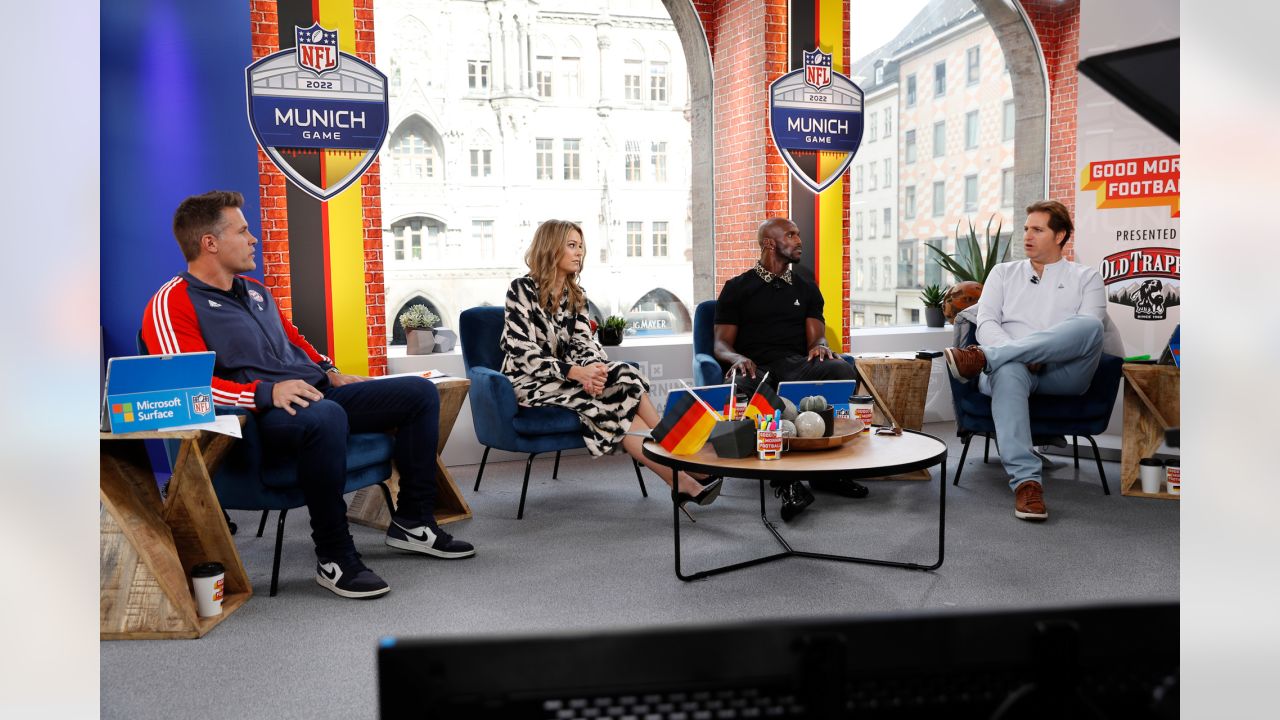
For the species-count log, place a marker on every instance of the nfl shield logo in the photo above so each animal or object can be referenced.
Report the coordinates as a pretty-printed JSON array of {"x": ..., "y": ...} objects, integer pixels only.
[
  {"x": 200, "y": 404},
  {"x": 317, "y": 49},
  {"x": 817, "y": 69}
]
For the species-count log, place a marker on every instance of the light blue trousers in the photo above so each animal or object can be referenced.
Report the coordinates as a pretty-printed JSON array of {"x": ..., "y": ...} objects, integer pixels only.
[{"x": 1069, "y": 352}]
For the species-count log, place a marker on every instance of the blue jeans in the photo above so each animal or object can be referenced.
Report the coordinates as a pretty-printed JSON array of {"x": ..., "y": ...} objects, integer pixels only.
[
  {"x": 1069, "y": 352},
  {"x": 317, "y": 437}
]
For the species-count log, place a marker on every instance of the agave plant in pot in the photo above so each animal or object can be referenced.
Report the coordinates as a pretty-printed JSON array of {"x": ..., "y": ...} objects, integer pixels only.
[
  {"x": 419, "y": 324},
  {"x": 612, "y": 329},
  {"x": 970, "y": 265},
  {"x": 932, "y": 297}
]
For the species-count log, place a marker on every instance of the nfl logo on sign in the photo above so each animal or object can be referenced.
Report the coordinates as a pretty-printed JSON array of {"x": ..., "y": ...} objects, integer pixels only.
[
  {"x": 200, "y": 404},
  {"x": 817, "y": 69},
  {"x": 317, "y": 49}
]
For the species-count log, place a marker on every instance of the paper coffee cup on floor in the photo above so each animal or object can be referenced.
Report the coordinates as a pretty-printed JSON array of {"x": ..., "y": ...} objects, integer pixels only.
[
  {"x": 206, "y": 583},
  {"x": 1151, "y": 474}
]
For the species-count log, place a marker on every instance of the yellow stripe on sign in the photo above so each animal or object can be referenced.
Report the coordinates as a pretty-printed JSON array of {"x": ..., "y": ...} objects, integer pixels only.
[
  {"x": 697, "y": 436},
  {"x": 350, "y": 340},
  {"x": 340, "y": 15},
  {"x": 830, "y": 220}
]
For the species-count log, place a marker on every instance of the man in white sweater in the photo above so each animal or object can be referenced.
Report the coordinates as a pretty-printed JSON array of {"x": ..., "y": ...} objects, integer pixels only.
[{"x": 1040, "y": 325}]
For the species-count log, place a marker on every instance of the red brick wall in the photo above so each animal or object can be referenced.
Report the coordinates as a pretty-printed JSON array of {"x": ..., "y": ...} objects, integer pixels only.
[{"x": 1057, "y": 25}]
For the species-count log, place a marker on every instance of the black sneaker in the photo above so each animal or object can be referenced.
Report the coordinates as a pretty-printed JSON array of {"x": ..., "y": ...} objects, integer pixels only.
[
  {"x": 426, "y": 538},
  {"x": 840, "y": 486},
  {"x": 350, "y": 578},
  {"x": 795, "y": 497}
]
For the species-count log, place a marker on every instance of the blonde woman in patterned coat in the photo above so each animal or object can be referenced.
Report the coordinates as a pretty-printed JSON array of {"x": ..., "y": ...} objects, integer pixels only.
[{"x": 553, "y": 358}]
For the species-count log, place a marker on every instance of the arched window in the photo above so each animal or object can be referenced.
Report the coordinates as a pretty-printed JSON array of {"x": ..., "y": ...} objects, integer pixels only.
[
  {"x": 659, "y": 312},
  {"x": 659, "y": 82},
  {"x": 397, "y": 331},
  {"x": 417, "y": 151},
  {"x": 633, "y": 73},
  {"x": 416, "y": 238}
]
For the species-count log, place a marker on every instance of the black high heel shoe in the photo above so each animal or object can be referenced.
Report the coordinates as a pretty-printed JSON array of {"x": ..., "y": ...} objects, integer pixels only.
[{"x": 709, "y": 493}]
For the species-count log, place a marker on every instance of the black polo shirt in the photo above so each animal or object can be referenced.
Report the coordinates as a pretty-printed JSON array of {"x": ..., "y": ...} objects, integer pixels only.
[{"x": 770, "y": 316}]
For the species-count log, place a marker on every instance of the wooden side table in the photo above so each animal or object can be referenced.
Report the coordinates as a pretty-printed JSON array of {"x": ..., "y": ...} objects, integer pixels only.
[
  {"x": 900, "y": 387},
  {"x": 1151, "y": 405},
  {"x": 367, "y": 507},
  {"x": 149, "y": 544}
]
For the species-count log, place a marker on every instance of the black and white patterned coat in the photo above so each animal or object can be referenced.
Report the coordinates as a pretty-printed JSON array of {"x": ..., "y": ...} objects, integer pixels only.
[{"x": 540, "y": 349}]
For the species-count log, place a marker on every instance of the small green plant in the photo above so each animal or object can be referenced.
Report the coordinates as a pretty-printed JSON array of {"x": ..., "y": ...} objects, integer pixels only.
[
  {"x": 419, "y": 317},
  {"x": 932, "y": 296},
  {"x": 970, "y": 262},
  {"x": 615, "y": 322}
]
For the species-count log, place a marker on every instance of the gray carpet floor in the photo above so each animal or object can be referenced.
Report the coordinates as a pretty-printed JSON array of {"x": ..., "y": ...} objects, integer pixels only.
[{"x": 591, "y": 553}]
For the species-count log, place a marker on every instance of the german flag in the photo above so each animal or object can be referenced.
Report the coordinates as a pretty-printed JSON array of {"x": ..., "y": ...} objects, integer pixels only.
[
  {"x": 685, "y": 426},
  {"x": 764, "y": 402}
]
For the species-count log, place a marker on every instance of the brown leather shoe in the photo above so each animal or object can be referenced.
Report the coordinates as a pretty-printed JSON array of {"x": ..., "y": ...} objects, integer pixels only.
[
  {"x": 1028, "y": 502},
  {"x": 965, "y": 363}
]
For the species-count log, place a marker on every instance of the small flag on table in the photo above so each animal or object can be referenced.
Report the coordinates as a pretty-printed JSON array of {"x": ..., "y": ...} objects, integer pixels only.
[
  {"x": 764, "y": 402},
  {"x": 685, "y": 426}
]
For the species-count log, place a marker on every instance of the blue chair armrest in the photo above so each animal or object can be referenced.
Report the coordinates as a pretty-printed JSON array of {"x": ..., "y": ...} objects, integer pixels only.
[
  {"x": 706, "y": 370},
  {"x": 493, "y": 405}
]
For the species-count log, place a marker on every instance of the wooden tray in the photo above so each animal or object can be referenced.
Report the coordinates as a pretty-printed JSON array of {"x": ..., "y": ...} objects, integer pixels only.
[{"x": 843, "y": 432}]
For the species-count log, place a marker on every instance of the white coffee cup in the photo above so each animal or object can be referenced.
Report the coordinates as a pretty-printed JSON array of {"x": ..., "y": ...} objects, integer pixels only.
[
  {"x": 1151, "y": 474},
  {"x": 206, "y": 583}
]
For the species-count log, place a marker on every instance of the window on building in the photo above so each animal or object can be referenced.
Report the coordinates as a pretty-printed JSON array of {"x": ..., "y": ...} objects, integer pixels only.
[
  {"x": 873, "y": 275},
  {"x": 907, "y": 257},
  {"x": 971, "y": 193},
  {"x": 859, "y": 319},
  {"x": 888, "y": 122},
  {"x": 915, "y": 316},
  {"x": 909, "y": 202},
  {"x": 886, "y": 280},
  {"x": 857, "y": 223},
  {"x": 572, "y": 158},
  {"x": 635, "y": 236},
  {"x": 888, "y": 222},
  {"x": 477, "y": 75},
  {"x": 871, "y": 184},
  {"x": 940, "y": 139},
  {"x": 1006, "y": 188},
  {"x": 888, "y": 173},
  {"x": 632, "y": 160},
  {"x": 415, "y": 158},
  {"x": 542, "y": 67},
  {"x": 910, "y": 152},
  {"x": 543, "y": 158},
  {"x": 398, "y": 244},
  {"x": 857, "y": 179},
  {"x": 932, "y": 269},
  {"x": 871, "y": 127},
  {"x": 939, "y": 198},
  {"x": 1009, "y": 120},
  {"x": 417, "y": 235},
  {"x": 658, "y": 158},
  {"x": 972, "y": 65},
  {"x": 971, "y": 130},
  {"x": 659, "y": 239},
  {"x": 940, "y": 79},
  {"x": 859, "y": 275},
  {"x": 871, "y": 223},
  {"x": 883, "y": 320},
  {"x": 658, "y": 82},
  {"x": 879, "y": 74},
  {"x": 482, "y": 237},
  {"x": 481, "y": 163},
  {"x": 911, "y": 90},
  {"x": 631, "y": 80},
  {"x": 571, "y": 76}
]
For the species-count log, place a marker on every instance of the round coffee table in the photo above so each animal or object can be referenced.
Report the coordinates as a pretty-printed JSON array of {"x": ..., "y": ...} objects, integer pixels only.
[{"x": 867, "y": 456}]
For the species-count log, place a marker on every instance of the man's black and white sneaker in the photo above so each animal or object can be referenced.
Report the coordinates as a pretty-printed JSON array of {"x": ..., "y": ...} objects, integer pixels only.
[
  {"x": 426, "y": 538},
  {"x": 350, "y": 578}
]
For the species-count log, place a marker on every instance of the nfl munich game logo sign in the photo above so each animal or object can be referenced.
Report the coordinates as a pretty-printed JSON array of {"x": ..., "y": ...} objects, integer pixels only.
[
  {"x": 319, "y": 113},
  {"x": 815, "y": 112}
]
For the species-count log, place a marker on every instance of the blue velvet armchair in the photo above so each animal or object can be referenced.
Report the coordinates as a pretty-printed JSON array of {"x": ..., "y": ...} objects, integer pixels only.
[
  {"x": 1051, "y": 415},
  {"x": 500, "y": 422}
]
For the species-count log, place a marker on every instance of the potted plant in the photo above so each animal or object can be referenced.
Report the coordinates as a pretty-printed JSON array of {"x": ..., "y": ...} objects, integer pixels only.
[
  {"x": 419, "y": 324},
  {"x": 612, "y": 329},
  {"x": 932, "y": 297},
  {"x": 970, "y": 265}
]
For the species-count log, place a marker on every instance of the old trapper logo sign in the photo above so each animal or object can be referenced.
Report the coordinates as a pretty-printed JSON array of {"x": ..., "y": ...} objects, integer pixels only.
[
  {"x": 1146, "y": 279},
  {"x": 319, "y": 113},
  {"x": 1135, "y": 182},
  {"x": 815, "y": 117}
]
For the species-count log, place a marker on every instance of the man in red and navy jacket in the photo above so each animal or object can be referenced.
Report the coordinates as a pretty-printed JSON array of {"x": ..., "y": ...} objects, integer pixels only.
[{"x": 305, "y": 407}]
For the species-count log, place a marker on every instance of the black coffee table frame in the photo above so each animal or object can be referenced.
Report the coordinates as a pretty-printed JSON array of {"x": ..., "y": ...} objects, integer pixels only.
[{"x": 792, "y": 475}]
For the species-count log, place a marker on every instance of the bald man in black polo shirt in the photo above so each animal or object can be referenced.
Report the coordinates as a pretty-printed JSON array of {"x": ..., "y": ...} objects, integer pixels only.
[{"x": 769, "y": 319}]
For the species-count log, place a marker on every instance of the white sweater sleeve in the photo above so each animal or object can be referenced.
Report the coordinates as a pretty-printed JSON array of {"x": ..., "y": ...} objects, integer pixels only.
[{"x": 991, "y": 308}]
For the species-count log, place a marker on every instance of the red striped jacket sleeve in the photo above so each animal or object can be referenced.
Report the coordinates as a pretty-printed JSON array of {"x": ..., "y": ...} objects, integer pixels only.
[{"x": 169, "y": 325}]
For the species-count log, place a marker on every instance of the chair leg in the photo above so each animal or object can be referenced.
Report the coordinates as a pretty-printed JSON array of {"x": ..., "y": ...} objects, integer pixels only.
[
  {"x": 275, "y": 562},
  {"x": 262, "y": 524},
  {"x": 483, "y": 459},
  {"x": 640, "y": 477},
  {"x": 986, "y": 450},
  {"x": 1097, "y": 456},
  {"x": 1075, "y": 448},
  {"x": 524, "y": 489},
  {"x": 232, "y": 527},
  {"x": 963, "y": 453},
  {"x": 555, "y": 471},
  {"x": 386, "y": 497}
]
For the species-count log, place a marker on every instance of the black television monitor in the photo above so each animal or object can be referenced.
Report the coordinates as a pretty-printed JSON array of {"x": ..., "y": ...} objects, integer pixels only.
[{"x": 1144, "y": 78}]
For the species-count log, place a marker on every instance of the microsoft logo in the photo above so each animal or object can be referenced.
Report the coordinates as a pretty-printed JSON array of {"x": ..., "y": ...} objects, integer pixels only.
[{"x": 122, "y": 412}]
